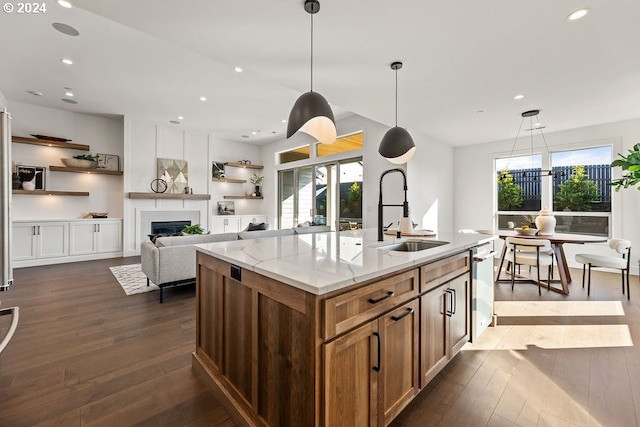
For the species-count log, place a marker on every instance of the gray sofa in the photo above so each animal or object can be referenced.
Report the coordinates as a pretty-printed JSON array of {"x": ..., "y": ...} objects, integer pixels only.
[{"x": 171, "y": 261}]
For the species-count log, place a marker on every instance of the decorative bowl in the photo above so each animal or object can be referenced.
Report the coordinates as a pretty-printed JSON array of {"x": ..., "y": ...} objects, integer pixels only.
[
  {"x": 29, "y": 185},
  {"x": 526, "y": 231},
  {"x": 79, "y": 163}
]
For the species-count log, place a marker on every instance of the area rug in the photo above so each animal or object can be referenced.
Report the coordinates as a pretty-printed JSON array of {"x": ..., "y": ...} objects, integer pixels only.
[{"x": 132, "y": 279}]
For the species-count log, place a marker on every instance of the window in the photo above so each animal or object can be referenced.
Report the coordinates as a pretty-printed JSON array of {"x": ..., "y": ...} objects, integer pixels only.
[
  {"x": 316, "y": 195},
  {"x": 575, "y": 185},
  {"x": 300, "y": 153},
  {"x": 342, "y": 145}
]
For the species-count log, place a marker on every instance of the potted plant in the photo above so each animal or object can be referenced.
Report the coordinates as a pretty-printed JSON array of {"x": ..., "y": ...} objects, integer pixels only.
[
  {"x": 256, "y": 180},
  {"x": 630, "y": 165},
  {"x": 193, "y": 229}
]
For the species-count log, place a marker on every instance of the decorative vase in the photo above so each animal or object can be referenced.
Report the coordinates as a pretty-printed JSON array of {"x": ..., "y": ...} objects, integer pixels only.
[
  {"x": 258, "y": 191},
  {"x": 16, "y": 182},
  {"x": 545, "y": 223}
]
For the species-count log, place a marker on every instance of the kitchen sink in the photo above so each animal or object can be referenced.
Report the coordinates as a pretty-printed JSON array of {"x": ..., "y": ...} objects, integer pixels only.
[{"x": 413, "y": 245}]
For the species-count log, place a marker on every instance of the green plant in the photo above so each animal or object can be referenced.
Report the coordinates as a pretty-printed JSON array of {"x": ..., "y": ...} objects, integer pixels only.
[
  {"x": 193, "y": 229},
  {"x": 509, "y": 193},
  {"x": 578, "y": 193},
  {"x": 256, "y": 179},
  {"x": 630, "y": 165}
]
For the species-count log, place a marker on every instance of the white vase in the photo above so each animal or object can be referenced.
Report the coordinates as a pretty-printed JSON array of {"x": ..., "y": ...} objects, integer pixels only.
[{"x": 545, "y": 223}]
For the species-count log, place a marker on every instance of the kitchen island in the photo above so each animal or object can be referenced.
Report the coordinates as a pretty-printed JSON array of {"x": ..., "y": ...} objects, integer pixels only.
[{"x": 329, "y": 328}]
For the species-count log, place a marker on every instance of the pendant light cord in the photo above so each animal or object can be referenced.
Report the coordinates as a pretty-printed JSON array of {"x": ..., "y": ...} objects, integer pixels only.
[
  {"x": 396, "y": 98},
  {"x": 311, "y": 51}
]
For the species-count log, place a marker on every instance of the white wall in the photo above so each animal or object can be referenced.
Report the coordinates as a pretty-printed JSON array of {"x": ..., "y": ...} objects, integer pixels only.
[
  {"x": 103, "y": 135},
  {"x": 426, "y": 187},
  {"x": 146, "y": 141},
  {"x": 475, "y": 181},
  {"x": 3, "y": 101}
]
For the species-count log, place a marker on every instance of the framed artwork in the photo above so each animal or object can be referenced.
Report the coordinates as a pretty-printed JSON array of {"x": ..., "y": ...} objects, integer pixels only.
[
  {"x": 28, "y": 173},
  {"x": 109, "y": 161},
  {"x": 175, "y": 173},
  {"x": 226, "y": 208},
  {"x": 217, "y": 170}
]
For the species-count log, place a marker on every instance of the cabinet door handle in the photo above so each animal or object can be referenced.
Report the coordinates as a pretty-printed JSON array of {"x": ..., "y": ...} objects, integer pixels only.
[
  {"x": 38, "y": 229},
  {"x": 447, "y": 303},
  {"x": 377, "y": 300},
  {"x": 377, "y": 367},
  {"x": 454, "y": 301},
  {"x": 33, "y": 230},
  {"x": 98, "y": 227},
  {"x": 402, "y": 316}
]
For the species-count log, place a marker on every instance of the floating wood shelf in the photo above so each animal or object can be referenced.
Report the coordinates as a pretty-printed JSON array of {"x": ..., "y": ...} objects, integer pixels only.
[
  {"x": 50, "y": 193},
  {"x": 243, "y": 197},
  {"x": 243, "y": 165},
  {"x": 175, "y": 196},
  {"x": 234, "y": 180},
  {"x": 49, "y": 143},
  {"x": 84, "y": 170}
]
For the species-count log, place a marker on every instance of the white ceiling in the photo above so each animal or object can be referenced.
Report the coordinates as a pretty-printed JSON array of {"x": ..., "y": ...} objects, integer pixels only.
[{"x": 155, "y": 58}]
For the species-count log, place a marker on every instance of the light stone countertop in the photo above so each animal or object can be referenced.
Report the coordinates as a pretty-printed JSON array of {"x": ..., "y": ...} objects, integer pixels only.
[{"x": 324, "y": 262}]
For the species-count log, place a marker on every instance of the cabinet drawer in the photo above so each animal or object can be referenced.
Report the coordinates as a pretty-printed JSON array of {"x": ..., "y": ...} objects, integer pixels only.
[
  {"x": 350, "y": 309},
  {"x": 436, "y": 273}
]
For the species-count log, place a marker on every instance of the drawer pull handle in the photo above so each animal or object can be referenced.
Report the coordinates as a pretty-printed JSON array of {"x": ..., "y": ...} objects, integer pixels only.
[
  {"x": 377, "y": 300},
  {"x": 402, "y": 316},
  {"x": 377, "y": 368}
]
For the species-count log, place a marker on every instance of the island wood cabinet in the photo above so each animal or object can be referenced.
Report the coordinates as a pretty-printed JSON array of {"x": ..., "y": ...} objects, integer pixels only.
[
  {"x": 282, "y": 356},
  {"x": 444, "y": 313}
]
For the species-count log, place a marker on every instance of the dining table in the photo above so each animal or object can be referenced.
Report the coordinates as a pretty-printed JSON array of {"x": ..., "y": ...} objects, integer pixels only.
[{"x": 557, "y": 241}]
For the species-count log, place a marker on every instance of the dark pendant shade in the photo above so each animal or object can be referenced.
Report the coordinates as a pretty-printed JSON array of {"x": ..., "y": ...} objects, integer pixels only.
[
  {"x": 397, "y": 146},
  {"x": 312, "y": 114}
]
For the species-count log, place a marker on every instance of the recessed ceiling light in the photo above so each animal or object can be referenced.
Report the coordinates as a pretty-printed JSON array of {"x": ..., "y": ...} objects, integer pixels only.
[
  {"x": 519, "y": 96},
  {"x": 284, "y": 121},
  {"x": 238, "y": 69},
  {"x": 67, "y": 61},
  {"x": 203, "y": 98},
  {"x": 480, "y": 111},
  {"x": 69, "y": 101},
  {"x": 174, "y": 122},
  {"x": 65, "y": 29},
  {"x": 180, "y": 117},
  {"x": 254, "y": 133},
  {"x": 64, "y": 3},
  {"x": 68, "y": 94},
  {"x": 35, "y": 92},
  {"x": 245, "y": 136},
  {"x": 577, "y": 14}
]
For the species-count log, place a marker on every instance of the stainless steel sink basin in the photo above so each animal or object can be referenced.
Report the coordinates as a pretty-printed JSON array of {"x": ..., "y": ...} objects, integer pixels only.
[{"x": 413, "y": 245}]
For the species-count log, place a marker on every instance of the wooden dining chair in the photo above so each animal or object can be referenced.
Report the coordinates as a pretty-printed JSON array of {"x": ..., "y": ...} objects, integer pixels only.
[
  {"x": 622, "y": 247},
  {"x": 533, "y": 252}
]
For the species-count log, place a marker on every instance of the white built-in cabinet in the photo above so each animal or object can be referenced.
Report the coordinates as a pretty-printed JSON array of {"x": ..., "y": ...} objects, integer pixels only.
[
  {"x": 234, "y": 223},
  {"x": 39, "y": 240},
  {"x": 94, "y": 237},
  {"x": 52, "y": 242}
]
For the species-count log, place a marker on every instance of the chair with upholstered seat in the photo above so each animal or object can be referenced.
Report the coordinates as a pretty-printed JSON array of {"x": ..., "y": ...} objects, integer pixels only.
[
  {"x": 533, "y": 252},
  {"x": 622, "y": 247}
]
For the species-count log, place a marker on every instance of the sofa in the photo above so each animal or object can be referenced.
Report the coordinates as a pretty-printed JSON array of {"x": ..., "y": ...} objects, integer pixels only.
[{"x": 171, "y": 260}]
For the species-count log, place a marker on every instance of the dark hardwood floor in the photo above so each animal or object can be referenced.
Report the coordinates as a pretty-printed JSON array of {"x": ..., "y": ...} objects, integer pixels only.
[{"x": 87, "y": 354}]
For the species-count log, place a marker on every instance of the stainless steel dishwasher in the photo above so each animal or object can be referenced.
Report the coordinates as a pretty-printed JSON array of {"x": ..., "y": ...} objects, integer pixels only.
[{"x": 482, "y": 289}]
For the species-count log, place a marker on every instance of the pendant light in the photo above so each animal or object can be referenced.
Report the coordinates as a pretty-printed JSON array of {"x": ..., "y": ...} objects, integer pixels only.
[
  {"x": 311, "y": 113},
  {"x": 531, "y": 114},
  {"x": 397, "y": 146}
]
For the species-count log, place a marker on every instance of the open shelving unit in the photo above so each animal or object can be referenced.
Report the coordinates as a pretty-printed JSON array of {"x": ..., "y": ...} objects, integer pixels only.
[
  {"x": 232, "y": 180},
  {"x": 173, "y": 196},
  {"x": 49, "y": 143},
  {"x": 244, "y": 197},
  {"x": 49, "y": 193},
  {"x": 243, "y": 165},
  {"x": 84, "y": 170}
]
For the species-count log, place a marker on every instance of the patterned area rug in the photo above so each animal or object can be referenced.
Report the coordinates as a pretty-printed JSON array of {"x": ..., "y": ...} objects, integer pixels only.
[{"x": 132, "y": 279}]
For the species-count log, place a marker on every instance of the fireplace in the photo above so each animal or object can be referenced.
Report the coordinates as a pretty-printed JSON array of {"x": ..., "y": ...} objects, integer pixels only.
[
  {"x": 168, "y": 227},
  {"x": 146, "y": 216}
]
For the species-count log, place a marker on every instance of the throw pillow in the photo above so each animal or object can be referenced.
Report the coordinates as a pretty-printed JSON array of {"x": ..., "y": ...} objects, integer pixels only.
[{"x": 254, "y": 227}]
